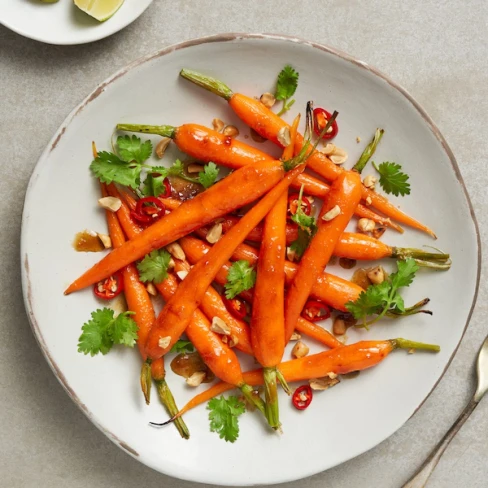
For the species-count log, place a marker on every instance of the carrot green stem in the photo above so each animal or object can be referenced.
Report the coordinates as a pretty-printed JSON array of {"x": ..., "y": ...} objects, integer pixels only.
[
  {"x": 414, "y": 309},
  {"x": 146, "y": 380},
  {"x": 400, "y": 343},
  {"x": 211, "y": 84},
  {"x": 283, "y": 383},
  {"x": 433, "y": 260},
  {"x": 252, "y": 398},
  {"x": 368, "y": 151},
  {"x": 271, "y": 396},
  {"x": 160, "y": 130},
  {"x": 169, "y": 402}
]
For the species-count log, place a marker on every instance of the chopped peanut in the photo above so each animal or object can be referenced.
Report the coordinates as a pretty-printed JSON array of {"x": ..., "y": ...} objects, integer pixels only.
[
  {"x": 110, "y": 203},
  {"x": 370, "y": 182},
  {"x": 182, "y": 274},
  {"x": 368, "y": 200},
  {"x": 291, "y": 254},
  {"x": 162, "y": 146},
  {"x": 376, "y": 275},
  {"x": 164, "y": 342},
  {"x": 328, "y": 149},
  {"x": 339, "y": 156},
  {"x": 194, "y": 168},
  {"x": 231, "y": 131},
  {"x": 295, "y": 336},
  {"x": 284, "y": 136},
  {"x": 176, "y": 251},
  {"x": 339, "y": 327},
  {"x": 332, "y": 213},
  {"x": 321, "y": 384},
  {"x": 214, "y": 234},
  {"x": 218, "y": 125},
  {"x": 196, "y": 378},
  {"x": 106, "y": 241},
  {"x": 366, "y": 225},
  {"x": 220, "y": 327},
  {"x": 300, "y": 350},
  {"x": 268, "y": 99},
  {"x": 151, "y": 289}
]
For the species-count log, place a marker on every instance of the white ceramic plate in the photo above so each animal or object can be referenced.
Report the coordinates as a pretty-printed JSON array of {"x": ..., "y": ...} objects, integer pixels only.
[
  {"x": 341, "y": 423},
  {"x": 64, "y": 23}
]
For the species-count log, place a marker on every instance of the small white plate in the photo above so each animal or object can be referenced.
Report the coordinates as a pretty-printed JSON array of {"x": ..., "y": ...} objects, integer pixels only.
[
  {"x": 340, "y": 423},
  {"x": 64, "y": 23}
]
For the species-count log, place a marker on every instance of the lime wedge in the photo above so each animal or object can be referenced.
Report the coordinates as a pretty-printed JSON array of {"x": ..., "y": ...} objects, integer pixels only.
[{"x": 99, "y": 9}]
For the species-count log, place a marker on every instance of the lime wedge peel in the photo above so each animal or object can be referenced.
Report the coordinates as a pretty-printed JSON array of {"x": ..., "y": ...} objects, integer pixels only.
[{"x": 101, "y": 10}]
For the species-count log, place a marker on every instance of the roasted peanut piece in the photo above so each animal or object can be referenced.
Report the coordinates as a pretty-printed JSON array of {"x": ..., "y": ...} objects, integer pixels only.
[
  {"x": 196, "y": 378},
  {"x": 176, "y": 251},
  {"x": 368, "y": 200},
  {"x": 164, "y": 342},
  {"x": 218, "y": 125},
  {"x": 284, "y": 136},
  {"x": 291, "y": 254},
  {"x": 328, "y": 149},
  {"x": 194, "y": 168},
  {"x": 300, "y": 350},
  {"x": 339, "y": 327},
  {"x": 214, "y": 234},
  {"x": 162, "y": 146},
  {"x": 376, "y": 275},
  {"x": 231, "y": 131},
  {"x": 106, "y": 241},
  {"x": 321, "y": 384},
  {"x": 267, "y": 99},
  {"x": 110, "y": 203},
  {"x": 182, "y": 274},
  {"x": 220, "y": 327},
  {"x": 151, "y": 289},
  {"x": 295, "y": 336},
  {"x": 366, "y": 225},
  {"x": 332, "y": 213},
  {"x": 339, "y": 156},
  {"x": 370, "y": 182}
]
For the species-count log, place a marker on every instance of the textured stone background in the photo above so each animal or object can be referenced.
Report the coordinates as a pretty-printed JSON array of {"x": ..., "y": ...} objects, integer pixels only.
[{"x": 436, "y": 49}]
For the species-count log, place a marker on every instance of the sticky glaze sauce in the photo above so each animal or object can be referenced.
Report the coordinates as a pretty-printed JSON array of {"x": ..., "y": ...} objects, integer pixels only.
[
  {"x": 87, "y": 242},
  {"x": 186, "y": 364}
]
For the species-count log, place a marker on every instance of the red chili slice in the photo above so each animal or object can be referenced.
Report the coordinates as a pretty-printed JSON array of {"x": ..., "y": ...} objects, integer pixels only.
[
  {"x": 148, "y": 209},
  {"x": 167, "y": 186},
  {"x": 236, "y": 307},
  {"x": 321, "y": 117},
  {"x": 315, "y": 311},
  {"x": 110, "y": 287},
  {"x": 293, "y": 204},
  {"x": 302, "y": 397}
]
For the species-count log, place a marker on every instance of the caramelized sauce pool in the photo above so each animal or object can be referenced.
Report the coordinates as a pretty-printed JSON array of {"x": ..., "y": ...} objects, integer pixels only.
[
  {"x": 87, "y": 242},
  {"x": 186, "y": 364},
  {"x": 346, "y": 263}
]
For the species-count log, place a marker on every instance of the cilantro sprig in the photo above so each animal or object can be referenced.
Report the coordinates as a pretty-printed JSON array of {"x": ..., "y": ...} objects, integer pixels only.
[
  {"x": 104, "y": 330},
  {"x": 286, "y": 86},
  {"x": 126, "y": 167},
  {"x": 392, "y": 179},
  {"x": 241, "y": 277},
  {"x": 154, "y": 266},
  {"x": 224, "y": 417},
  {"x": 307, "y": 227},
  {"x": 384, "y": 298},
  {"x": 181, "y": 347}
]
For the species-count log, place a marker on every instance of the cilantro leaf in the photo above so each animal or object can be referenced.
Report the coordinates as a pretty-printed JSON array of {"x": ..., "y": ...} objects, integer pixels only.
[
  {"x": 307, "y": 227},
  {"x": 108, "y": 167},
  {"x": 133, "y": 149},
  {"x": 224, "y": 417},
  {"x": 300, "y": 244},
  {"x": 102, "y": 331},
  {"x": 154, "y": 266},
  {"x": 241, "y": 277},
  {"x": 153, "y": 184},
  {"x": 181, "y": 347},
  {"x": 209, "y": 174},
  {"x": 392, "y": 180},
  {"x": 287, "y": 83},
  {"x": 384, "y": 297}
]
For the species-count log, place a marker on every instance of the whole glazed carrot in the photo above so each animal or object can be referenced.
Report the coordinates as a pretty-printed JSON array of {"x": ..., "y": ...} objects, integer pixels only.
[
  {"x": 139, "y": 302},
  {"x": 174, "y": 317},
  {"x": 206, "y": 145},
  {"x": 342, "y": 360},
  {"x": 235, "y": 191},
  {"x": 268, "y": 124},
  {"x": 351, "y": 245},
  {"x": 334, "y": 216},
  {"x": 268, "y": 310},
  {"x": 328, "y": 288}
]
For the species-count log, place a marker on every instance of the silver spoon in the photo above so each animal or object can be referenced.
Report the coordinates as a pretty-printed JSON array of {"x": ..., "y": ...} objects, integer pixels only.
[{"x": 420, "y": 479}]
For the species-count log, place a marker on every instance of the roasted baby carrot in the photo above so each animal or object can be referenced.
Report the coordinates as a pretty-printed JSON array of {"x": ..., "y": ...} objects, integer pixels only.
[
  {"x": 268, "y": 310},
  {"x": 236, "y": 190},
  {"x": 174, "y": 317},
  {"x": 205, "y": 144},
  {"x": 334, "y": 216},
  {"x": 139, "y": 302},
  {"x": 342, "y": 360},
  {"x": 266, "y": 123}
]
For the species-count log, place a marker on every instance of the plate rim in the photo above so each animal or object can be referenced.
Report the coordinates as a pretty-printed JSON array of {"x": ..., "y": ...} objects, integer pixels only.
[
  {"x": 225, "y": 37},
  {"x": 95, "y": 38}
]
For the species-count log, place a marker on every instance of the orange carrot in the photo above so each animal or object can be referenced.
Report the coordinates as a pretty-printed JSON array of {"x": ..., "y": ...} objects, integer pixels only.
[
  {"x": 138, "y": 301},
  {"x": 328, "y": 288},
  {"x": 343, "y": 198},
  {"x": 174, "y": 317},
  {"x": 205, "y": 144},
  {"x": 342, "y": 360},
  {"x": 268, "y": 124},
  {"x": 236, "y": 190}
]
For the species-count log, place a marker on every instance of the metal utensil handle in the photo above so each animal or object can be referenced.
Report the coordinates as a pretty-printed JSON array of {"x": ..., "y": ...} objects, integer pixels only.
[{"x": 420, "y": 479}]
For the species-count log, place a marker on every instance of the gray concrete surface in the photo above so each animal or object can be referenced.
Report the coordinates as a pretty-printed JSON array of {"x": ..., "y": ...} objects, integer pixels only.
[{"x": 436, "y": 49}]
